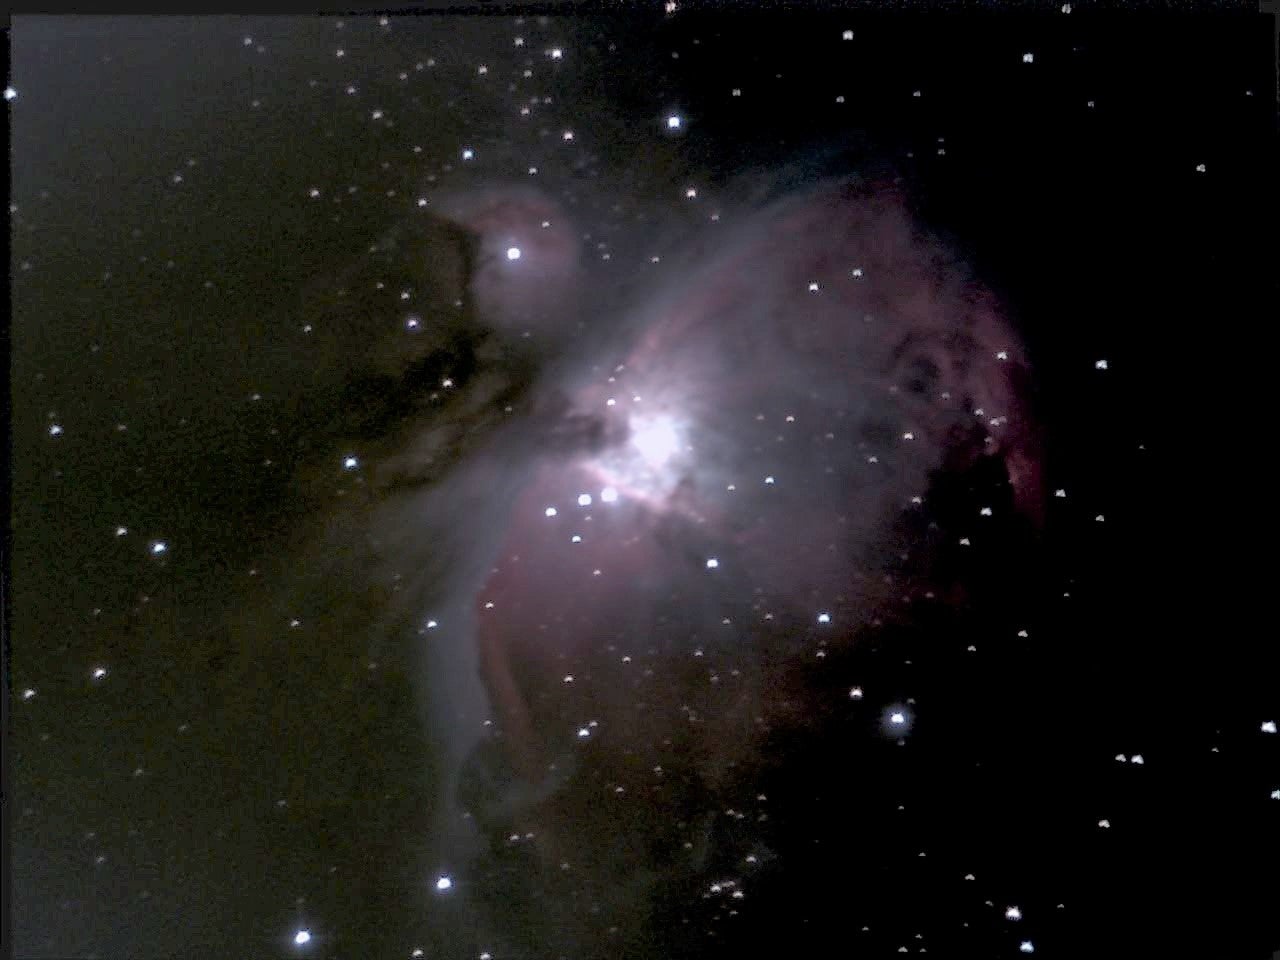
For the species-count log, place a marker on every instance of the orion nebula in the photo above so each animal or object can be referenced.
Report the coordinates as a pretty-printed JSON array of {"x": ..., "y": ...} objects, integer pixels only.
[
  {"x": 660, "y": 506},
  {"x": 661, "y": 483}
]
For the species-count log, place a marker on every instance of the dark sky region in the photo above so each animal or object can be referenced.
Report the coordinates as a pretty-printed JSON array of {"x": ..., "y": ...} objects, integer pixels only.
[{"x": 656, "y": 483}]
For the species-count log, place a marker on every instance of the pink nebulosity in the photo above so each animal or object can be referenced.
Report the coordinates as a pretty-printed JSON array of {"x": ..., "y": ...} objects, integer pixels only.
[
  {"x": 775, "y": 411},
  {"x": 702, "y": 495}
]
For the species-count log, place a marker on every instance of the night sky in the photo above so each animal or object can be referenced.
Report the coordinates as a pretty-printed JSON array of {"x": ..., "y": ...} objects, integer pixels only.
[{"x": 651, "y": 484}]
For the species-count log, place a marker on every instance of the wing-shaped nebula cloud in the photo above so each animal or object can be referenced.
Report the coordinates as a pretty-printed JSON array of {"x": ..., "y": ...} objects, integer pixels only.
[
  {"x": 703, "y": 490},
  {"x": 621, "y": 524}
]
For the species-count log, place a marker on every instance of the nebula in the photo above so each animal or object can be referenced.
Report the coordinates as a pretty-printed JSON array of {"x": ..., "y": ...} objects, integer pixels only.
[
  {"x": 623, "y": 513},
  {"x": 699, "y": 491}
]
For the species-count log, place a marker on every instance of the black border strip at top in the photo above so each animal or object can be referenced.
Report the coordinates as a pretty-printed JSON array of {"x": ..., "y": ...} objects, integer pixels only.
[{"x": 658, "y": 7}]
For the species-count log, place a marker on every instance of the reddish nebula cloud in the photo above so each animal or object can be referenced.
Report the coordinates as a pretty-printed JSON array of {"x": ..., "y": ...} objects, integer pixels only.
[{"x": 751, "y": 437}]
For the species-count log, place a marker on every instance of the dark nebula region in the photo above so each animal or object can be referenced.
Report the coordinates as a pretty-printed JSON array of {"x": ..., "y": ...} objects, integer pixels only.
[{"x": 676, "y": 504}]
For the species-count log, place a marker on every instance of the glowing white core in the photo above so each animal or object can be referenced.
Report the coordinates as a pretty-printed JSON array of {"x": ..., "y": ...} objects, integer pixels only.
[{"x": 656, "y": 440}]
